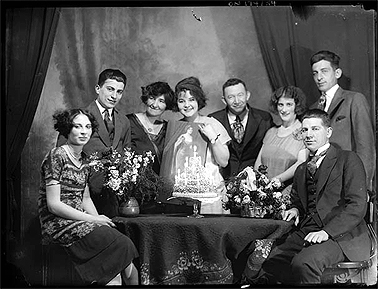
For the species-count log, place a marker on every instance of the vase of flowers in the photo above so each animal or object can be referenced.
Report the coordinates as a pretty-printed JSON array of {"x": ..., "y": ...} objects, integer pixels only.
[
  {"x": 129, "y": 176},
  {"x": 255, "y": 195}
]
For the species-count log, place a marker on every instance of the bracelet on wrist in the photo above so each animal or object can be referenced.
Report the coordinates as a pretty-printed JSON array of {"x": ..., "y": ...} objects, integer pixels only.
[{"x": 215, "y": 139}]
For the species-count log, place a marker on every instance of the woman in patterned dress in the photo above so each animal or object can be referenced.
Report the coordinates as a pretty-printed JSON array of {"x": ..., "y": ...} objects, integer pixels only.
[{"x": 67, "y": 214}]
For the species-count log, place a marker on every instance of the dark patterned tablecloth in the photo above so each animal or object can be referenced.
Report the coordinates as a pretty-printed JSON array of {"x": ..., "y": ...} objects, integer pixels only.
[{"x": 175, "y": 249}]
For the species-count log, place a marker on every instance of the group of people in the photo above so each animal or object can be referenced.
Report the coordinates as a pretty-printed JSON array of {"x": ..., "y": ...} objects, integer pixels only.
[{"x": 328, "y": 206}]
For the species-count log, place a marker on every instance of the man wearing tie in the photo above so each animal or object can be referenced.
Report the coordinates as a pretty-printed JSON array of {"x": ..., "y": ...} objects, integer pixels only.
[
  {"x": 246, "y": 126},
  {"x": 329, "y": 202},
  {"x": 113, "y": 130},
  {"x": 349, "y": 111}
]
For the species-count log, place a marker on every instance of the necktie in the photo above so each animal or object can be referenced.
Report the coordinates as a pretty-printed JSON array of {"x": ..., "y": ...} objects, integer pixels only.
[
  {"x": 322, "y": 101},
  {"x": 108, "y": 123},
  {"x": 238, "y": 129},
  {"x": 311, "y": 165}
]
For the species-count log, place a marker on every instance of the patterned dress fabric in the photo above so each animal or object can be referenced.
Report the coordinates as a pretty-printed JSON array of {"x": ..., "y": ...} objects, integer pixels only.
[{"x": 98, "y": 252}]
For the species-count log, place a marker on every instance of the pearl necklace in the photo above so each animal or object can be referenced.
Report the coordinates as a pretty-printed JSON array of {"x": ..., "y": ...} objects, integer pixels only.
[{"x": 75, "y": 155}]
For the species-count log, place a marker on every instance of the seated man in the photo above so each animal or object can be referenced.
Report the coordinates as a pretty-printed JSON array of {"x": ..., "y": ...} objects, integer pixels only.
[{"x": 329, "y": 201}]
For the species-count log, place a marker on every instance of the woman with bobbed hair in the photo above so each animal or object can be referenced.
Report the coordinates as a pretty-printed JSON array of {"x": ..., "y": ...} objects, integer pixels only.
[
  {"x": 148, "y": 128},
  {"x": 189, "y": 99},
  {"x": 283, "y": 149},
  {"x": 67, "y": 214}
]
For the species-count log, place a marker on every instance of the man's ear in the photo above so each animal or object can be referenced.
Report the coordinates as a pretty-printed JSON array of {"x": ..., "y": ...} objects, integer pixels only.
[
  {"x": 97, "y": 88},
  {"x": 338, "y": 73},
  {"x": 329, "y": 132},
  {"x": 224, "y": 101},
  {"x": 248, "y": 95}
]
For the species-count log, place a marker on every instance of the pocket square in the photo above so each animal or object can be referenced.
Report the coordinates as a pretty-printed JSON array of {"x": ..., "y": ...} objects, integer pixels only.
[{"x": 340, "y": 117}]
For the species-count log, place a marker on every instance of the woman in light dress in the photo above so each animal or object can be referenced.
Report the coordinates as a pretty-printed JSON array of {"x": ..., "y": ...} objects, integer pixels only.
[
  {"x": 190, "y": 98},
  {"x": 283, "y": 149}
]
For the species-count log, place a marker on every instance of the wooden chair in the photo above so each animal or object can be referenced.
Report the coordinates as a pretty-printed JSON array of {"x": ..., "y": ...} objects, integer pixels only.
[{"x": 360, "y": 272}]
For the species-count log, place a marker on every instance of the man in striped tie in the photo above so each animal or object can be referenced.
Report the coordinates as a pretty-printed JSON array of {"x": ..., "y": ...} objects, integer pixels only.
[
  {"x": 349, "y": 111},
  {"x": 113, "y": 131}
]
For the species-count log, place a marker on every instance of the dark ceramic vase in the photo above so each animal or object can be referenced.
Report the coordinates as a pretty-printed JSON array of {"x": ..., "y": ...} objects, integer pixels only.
[{"x": 129, "y": 207}]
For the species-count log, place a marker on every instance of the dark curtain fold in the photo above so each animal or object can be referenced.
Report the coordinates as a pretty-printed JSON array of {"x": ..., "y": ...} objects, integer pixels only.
[
  {"x": 30, "y": 36},
  {"x": 290, "y": 35}
]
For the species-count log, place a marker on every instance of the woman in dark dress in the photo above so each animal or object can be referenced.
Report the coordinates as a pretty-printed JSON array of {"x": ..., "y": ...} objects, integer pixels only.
[
  {"x": 67, "y": 215},
  {"x": 148, "y": 128}
]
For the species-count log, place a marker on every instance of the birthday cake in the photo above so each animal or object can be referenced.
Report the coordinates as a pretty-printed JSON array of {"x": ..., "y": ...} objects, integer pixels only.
[{"x": 194, "y": 181}]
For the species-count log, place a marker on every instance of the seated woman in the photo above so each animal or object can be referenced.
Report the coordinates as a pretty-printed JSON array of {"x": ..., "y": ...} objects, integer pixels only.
[
  {"x": 147, "y": 128},
  {"x": 283, "y": 149},
  {"x": 67, "y": 215},
  {"x": 189, "y": 99}
]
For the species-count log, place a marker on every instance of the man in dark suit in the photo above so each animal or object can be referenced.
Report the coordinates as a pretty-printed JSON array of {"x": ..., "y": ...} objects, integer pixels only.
[
  {"x": 113, "y": 130},
  {"x": 246, "y": 126},
  {"x": 348, "y": 110},
  {"x": 329, "y": 202}
]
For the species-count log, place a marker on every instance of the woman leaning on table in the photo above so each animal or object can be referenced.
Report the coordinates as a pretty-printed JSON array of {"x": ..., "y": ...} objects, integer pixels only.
[
  {"x": 148, "y": 128},
  {"x": 67, "y": 215},
  {"x": 283, "y": 149}
]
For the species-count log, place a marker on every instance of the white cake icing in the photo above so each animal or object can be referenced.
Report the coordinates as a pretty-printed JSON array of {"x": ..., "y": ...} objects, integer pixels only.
[{"x": 194, "y": 182}]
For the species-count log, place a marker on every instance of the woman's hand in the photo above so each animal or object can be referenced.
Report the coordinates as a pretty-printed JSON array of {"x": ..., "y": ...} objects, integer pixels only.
[
  {"x": 208, "y": 131},
  {"x": 103, "y": 220}
]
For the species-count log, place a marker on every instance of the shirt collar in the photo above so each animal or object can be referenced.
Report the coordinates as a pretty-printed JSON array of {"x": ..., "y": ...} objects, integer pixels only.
[
  {"x": 322, "y": 148},
  {"x": 102, "y": 109},
  {"x": 243, "y": 116}
]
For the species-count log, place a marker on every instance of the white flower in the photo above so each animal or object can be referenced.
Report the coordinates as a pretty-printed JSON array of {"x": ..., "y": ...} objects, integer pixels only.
[{"x": 246, "y": 199}]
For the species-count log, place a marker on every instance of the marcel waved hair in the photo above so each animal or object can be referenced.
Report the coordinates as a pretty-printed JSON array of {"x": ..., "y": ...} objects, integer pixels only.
[{"x": 64, "y": 120}]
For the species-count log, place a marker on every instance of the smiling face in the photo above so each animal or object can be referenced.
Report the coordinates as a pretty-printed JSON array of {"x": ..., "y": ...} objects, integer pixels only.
[
  {"x": 155, "y": 106},
  {"x": 315, "y": 133},
  {"x": 110, "y": 93},
  {"x": 286, "y": 109},
  {"x": 325, "y": 76},
  {"x": 187, "y": 105},
  {"x": 236, "y": 98},
  {"x": 81, "y": 130}
]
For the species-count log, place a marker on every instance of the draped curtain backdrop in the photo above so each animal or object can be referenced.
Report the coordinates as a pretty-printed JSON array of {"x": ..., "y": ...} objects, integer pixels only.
[
  {"x": 289, "y": 36},
  {"x": 30, "y": 35}
]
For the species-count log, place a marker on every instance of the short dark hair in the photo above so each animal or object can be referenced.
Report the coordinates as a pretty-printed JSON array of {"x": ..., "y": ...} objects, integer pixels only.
[
  {"x": 64, "y": 120},
  {"x": 156, "y": 89},
  {"x": 193, "y": 85},
  {"x": 109, "y": 73},
  {"x": 289, "y": 92},
  {"x": 332, "y": 57},
  {"x": 318, "y": 113},
  {"x": 232, "y": 82}
]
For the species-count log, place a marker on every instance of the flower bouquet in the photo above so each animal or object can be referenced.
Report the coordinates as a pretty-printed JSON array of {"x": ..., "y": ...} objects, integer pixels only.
[
  {"x": 128, "y": 174},
  {"x": 256, "y": 196}
]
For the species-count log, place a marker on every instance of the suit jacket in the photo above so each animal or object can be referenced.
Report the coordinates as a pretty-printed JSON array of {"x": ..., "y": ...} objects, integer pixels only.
[
  {"x": 245, "y": 153},
  {"x": 341, "y": 200},
  {"x": 352, "y": 127},
  {"x": 100, "y": 141}
]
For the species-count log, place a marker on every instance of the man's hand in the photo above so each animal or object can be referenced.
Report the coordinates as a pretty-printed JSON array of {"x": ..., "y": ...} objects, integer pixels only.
[
  {"x": 316, "y": 237},
  {"x": 290, "y": 214}
]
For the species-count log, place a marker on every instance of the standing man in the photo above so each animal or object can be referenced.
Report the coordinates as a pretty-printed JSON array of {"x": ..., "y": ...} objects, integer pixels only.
[
  {"x": 329, "y": 203},
  {"x": 348, "y": 111},
  {"x": 246, "y": 126},
  {"x": 113, "y": 130}
]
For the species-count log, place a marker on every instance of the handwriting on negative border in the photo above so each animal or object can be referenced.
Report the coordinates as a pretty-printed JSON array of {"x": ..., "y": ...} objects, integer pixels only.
[{"x": 252, "y": 3}]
